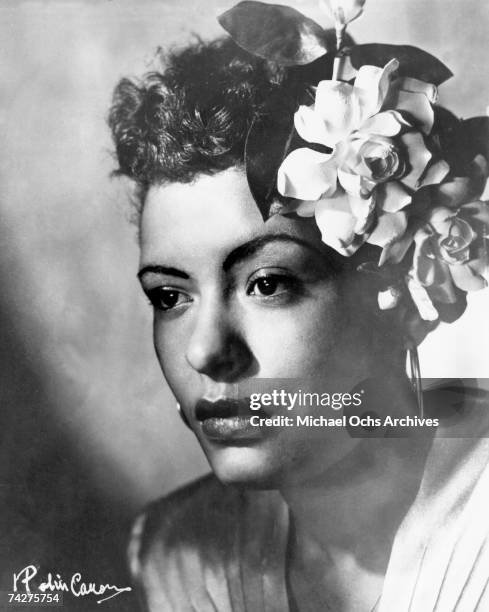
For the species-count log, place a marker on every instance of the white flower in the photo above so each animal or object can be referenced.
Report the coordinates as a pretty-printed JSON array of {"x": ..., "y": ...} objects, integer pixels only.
[
  {"x": 451, "y": 254},
  {"x": 374, "y": 129},
  {"x": 451, "y": 251},
  {"x": 343, "y": 11}
]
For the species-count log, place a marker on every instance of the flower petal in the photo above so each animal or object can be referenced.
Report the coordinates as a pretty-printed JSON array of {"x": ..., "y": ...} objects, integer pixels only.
[
  {"x": 419, "y": 156},
  {"x": 310, "y": 125},
  {"x": 443, "y": 292},
  {"x": 372, "y": 86},
  {"x": 306, "y": 209},
  {"x": 454, "y": 193},
  {"x": 389, "y": 228},
  {"x": 462, "y": 189},
  {"x": 394, "y": 252},
  {"x": 387, "y": 123},
  {"x": 440, "y": 219},
  {"x": 417, "y": 86},
  {"x": 478, "y": 173},
  {"x": 307, "y": 175},
  {"x": 336, "y": 223},
  {"x": 351, "y": 183},
  {"x": 480, "y": 265},
  {"x": 419, "y": 108},
  {"x": 363, "y": 210},
  {"x": 355, "y": 184},
  {"x": 422, "y": 300},
  {"x": 339, "y": 108},
  {"x": 435, "y": 173},
  {"x": 298, "y": 207},
  {"x": 350, "y": 159},
  {"x": 427, "y": 267},
  {"x": 478, "y": 211},
  {"x": 466, "y": 279},
  {"x": 392, "y": 196}
]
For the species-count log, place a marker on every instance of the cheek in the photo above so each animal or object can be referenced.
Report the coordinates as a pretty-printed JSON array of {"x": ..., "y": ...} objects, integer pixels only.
[
  {"x": 295, "y": 342},
  {"x": 170, "y": 342},
  {"x": 327, "y": 338}
]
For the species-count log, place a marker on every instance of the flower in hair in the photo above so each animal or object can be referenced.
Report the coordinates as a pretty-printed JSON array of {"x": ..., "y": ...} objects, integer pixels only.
[
  {"x": 376, "y": 130},
  {"x": 451, "y": 252},
  {"x": 377, "y": 163},
  {"x": 450, "y": 256}
]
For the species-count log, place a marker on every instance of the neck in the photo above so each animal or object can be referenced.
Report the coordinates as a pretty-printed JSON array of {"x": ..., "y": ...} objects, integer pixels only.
[{"x": 356, "y": 505}]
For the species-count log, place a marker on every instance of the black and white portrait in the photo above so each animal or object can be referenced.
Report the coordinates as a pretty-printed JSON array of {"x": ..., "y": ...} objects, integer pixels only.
[{"x": 244, "y": 305}]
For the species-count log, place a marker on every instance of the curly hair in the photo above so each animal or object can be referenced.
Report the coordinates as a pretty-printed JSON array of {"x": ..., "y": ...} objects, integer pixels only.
[{"x": 191, "y": 118}]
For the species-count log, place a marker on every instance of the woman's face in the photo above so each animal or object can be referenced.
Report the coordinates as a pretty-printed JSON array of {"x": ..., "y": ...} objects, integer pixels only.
[{"x": 237, "y": 299}]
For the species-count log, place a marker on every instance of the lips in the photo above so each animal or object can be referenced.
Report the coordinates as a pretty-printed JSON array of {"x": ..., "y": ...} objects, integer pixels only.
[
  {"x": 222, "y": 409},
  {"x": 228, "y": 420}
]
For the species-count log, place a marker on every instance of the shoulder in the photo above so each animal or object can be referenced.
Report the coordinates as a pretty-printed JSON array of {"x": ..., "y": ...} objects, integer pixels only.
[
  {"x": 185, "y": 517},
  {"x": 202, "y": 530}
]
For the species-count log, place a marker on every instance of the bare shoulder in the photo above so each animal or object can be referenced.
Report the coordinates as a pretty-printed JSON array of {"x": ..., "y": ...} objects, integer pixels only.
[
  {"x": 189, "y": 517},
  {"x": 207, "y": 544},
  {"x": 186, "y": 544}
]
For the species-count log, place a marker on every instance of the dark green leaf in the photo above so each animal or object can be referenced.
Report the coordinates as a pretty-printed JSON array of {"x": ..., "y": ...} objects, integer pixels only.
[
  {"x": 275, "y": 32},
  {"x": 414, "y": 62},
  {"x": 267, "y": 144}
]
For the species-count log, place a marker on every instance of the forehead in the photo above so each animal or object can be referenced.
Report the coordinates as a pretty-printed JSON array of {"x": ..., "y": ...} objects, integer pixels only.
[{"x": 210, "y": 216}]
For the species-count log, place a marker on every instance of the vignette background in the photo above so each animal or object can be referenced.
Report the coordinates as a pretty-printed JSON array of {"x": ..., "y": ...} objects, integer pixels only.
[{"x": 89, "y": 430}]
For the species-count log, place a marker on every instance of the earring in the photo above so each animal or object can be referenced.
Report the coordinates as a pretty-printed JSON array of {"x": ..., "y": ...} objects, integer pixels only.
[
  {"x": 416, "y": 377},
  {"x": 182, "y": 415}
]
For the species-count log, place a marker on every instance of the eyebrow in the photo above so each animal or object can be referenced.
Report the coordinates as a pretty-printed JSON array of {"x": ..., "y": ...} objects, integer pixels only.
[
  {"x": 240, "y": 253},
  {"x": 250, "y": 248},
  {"x": 162, "y": 270}
]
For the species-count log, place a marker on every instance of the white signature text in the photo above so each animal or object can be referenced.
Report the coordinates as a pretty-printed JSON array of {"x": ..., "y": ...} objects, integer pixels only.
[{"x": 75, "y": 585}]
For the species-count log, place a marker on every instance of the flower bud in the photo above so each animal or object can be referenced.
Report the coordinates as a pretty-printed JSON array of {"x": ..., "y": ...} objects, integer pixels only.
[
  {"x": 455, "y": 248},
  {"x": 381, "y": 157},
  {"x": 343, "y": 11}
]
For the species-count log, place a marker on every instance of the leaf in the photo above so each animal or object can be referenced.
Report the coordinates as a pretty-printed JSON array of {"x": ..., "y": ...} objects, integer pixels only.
[
  {"x": 267, "y": 144},
  {"x": 414, "y": 62},
  {"x": 477, "y": 133},
  {"x": 460, "y": 140},
  {"x": 448, "y": 134},
  {"x": 275, "y": 32}
]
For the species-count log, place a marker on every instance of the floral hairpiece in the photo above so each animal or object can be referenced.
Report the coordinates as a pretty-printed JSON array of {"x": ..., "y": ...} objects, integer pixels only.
[{"x": 369, "y": 154}]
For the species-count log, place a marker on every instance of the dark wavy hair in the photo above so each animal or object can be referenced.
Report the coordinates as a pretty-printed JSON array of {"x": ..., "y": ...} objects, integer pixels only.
[{"x": 191, "y": 118}]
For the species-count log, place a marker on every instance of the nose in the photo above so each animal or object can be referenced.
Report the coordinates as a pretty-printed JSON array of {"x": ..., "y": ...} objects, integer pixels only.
[{"x": 217, "y": 347}]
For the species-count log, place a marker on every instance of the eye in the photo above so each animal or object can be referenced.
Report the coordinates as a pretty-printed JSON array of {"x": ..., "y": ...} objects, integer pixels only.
[
  {"x": 167, "y": 298},
  {"x": 272, "y": 286}
]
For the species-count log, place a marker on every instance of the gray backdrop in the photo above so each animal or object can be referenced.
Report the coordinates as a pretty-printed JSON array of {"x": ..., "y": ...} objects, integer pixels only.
[{"x": 89, "y": 429}]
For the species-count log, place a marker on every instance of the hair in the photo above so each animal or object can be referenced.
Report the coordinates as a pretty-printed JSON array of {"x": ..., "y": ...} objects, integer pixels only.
[{"x": 191, "y": 118}]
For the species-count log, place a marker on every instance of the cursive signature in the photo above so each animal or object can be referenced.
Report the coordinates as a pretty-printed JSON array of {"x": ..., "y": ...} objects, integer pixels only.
[{"x": 75, "y": 585}]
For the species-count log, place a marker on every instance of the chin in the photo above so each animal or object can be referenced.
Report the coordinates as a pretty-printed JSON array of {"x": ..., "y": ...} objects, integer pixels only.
[{"x": 244, "y": 466}]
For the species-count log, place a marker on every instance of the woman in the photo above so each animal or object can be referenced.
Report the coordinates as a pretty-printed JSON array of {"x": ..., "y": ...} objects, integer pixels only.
[{"x": 347, "y": 518}]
